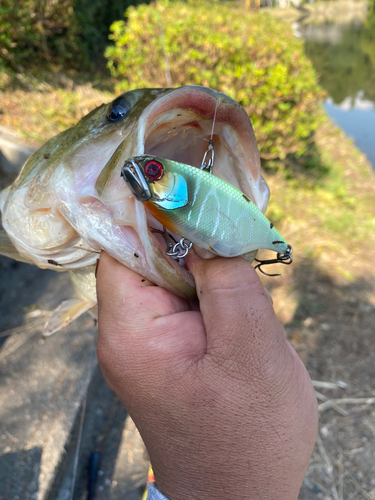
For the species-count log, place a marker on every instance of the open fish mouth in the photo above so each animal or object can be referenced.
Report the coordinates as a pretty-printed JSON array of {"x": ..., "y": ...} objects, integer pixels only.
[{"x": 179, "y": 125}]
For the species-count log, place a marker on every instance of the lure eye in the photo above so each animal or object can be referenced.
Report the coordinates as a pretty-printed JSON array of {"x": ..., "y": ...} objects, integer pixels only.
[
  {"x": 120, "y": 108},
  {"x": 153, "y": 170}
]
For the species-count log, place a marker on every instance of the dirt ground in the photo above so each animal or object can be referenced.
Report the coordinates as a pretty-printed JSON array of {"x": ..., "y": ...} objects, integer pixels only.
[{"x": 332, "y": 328}]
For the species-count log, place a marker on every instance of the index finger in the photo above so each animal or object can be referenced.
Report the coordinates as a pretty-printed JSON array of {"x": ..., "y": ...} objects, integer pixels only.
[{"x": 141, "y": 325}]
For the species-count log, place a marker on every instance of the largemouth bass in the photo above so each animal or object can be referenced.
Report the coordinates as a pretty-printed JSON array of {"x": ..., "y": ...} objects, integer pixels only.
[{"x": 69, "y": 201}]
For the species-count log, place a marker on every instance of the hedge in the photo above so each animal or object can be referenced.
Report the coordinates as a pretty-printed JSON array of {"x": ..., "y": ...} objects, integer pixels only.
[
  {"x": 252, "y": 57},
  {"x": 37, "y": 33}
]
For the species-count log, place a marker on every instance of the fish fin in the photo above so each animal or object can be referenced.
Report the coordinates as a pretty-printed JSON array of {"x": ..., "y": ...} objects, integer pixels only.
[
  {"x": 66, "y": 313},
  {"x": 34, "y": 322},
  {"x": 9, "y": 250}
]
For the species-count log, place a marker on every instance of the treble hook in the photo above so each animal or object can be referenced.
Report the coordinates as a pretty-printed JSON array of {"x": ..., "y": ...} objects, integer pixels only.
[
  {"x": 208, "y": 166},
  {"x": 281, "y": 258}
]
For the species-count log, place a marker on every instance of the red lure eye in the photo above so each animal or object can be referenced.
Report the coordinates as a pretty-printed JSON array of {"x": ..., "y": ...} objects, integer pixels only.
[{"x": 154, "y": 170}]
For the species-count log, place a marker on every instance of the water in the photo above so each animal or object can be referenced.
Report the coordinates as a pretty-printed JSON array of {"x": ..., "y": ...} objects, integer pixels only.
[
  {"x": 344, "y": 57},
  {"x": 357, "y": 119}
]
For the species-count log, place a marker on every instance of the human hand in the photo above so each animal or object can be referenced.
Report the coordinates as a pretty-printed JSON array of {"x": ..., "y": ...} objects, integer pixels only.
[{"x": 223, "y": 403}]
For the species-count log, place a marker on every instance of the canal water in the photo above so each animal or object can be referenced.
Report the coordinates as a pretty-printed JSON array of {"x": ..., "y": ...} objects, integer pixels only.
[{"x": 344, "y": 57}]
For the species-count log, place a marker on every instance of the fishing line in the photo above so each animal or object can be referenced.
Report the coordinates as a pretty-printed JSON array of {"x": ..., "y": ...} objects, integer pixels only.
[
  {"x": 214, "y": 121},
  {"x": 209, "y": 155}
]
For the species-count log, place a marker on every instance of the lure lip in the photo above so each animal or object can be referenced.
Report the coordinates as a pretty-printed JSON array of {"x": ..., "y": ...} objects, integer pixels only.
[{"x": 135, "y": 180}]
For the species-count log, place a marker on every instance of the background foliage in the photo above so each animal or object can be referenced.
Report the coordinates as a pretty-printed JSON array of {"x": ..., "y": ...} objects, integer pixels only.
[
  {"x": 252, "y": 57},
  {"x": 64, "y": 32}
]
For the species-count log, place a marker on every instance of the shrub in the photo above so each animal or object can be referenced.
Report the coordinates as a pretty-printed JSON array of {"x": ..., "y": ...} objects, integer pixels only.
[
  {"x": 95, "y": 18},
  {"x": 34, "y": 33},
  {"x": 252, "y": 57}
]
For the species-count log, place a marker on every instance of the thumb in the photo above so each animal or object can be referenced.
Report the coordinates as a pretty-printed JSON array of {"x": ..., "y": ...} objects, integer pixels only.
[{"x": 237, "y": 311}]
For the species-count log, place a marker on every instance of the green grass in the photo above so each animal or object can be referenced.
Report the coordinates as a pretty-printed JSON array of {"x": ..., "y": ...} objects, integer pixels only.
[
  {"x": 328, "y": 212},
  {"x": 39, "y": 108}
]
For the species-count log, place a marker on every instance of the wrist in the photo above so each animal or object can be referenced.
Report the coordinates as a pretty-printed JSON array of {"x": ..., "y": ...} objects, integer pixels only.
[{"x": 238, "y": 479}]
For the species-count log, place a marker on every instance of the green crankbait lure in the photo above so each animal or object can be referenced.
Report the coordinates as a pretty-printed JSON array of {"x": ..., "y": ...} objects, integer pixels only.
[{"x": 208, "y": 211}]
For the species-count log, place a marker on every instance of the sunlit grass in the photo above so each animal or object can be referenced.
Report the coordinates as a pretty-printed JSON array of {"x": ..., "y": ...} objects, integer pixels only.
[
  {"x": 41, "y": 110},
  {"x": 327, "y": 213}
]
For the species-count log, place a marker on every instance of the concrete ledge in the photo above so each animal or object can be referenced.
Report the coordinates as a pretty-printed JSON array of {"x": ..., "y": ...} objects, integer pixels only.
[
  {"x": 13, "y": 151},
  {"x": 44, "y": 385}
]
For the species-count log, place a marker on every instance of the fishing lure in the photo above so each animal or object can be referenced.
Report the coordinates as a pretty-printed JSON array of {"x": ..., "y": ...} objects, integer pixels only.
[{"x": 208, "y": 211}]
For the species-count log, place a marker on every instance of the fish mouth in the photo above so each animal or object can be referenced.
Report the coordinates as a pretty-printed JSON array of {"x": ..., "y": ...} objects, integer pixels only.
[{"x": 178, "y": 126}]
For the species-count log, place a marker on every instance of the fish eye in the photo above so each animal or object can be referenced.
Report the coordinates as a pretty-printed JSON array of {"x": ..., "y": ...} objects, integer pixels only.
[
  {"x": 119, "y": 110},
  {"x": 154, "y": 170}
]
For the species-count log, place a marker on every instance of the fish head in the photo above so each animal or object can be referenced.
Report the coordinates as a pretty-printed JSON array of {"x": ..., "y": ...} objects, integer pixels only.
[{"x": 70, "y": 202}]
